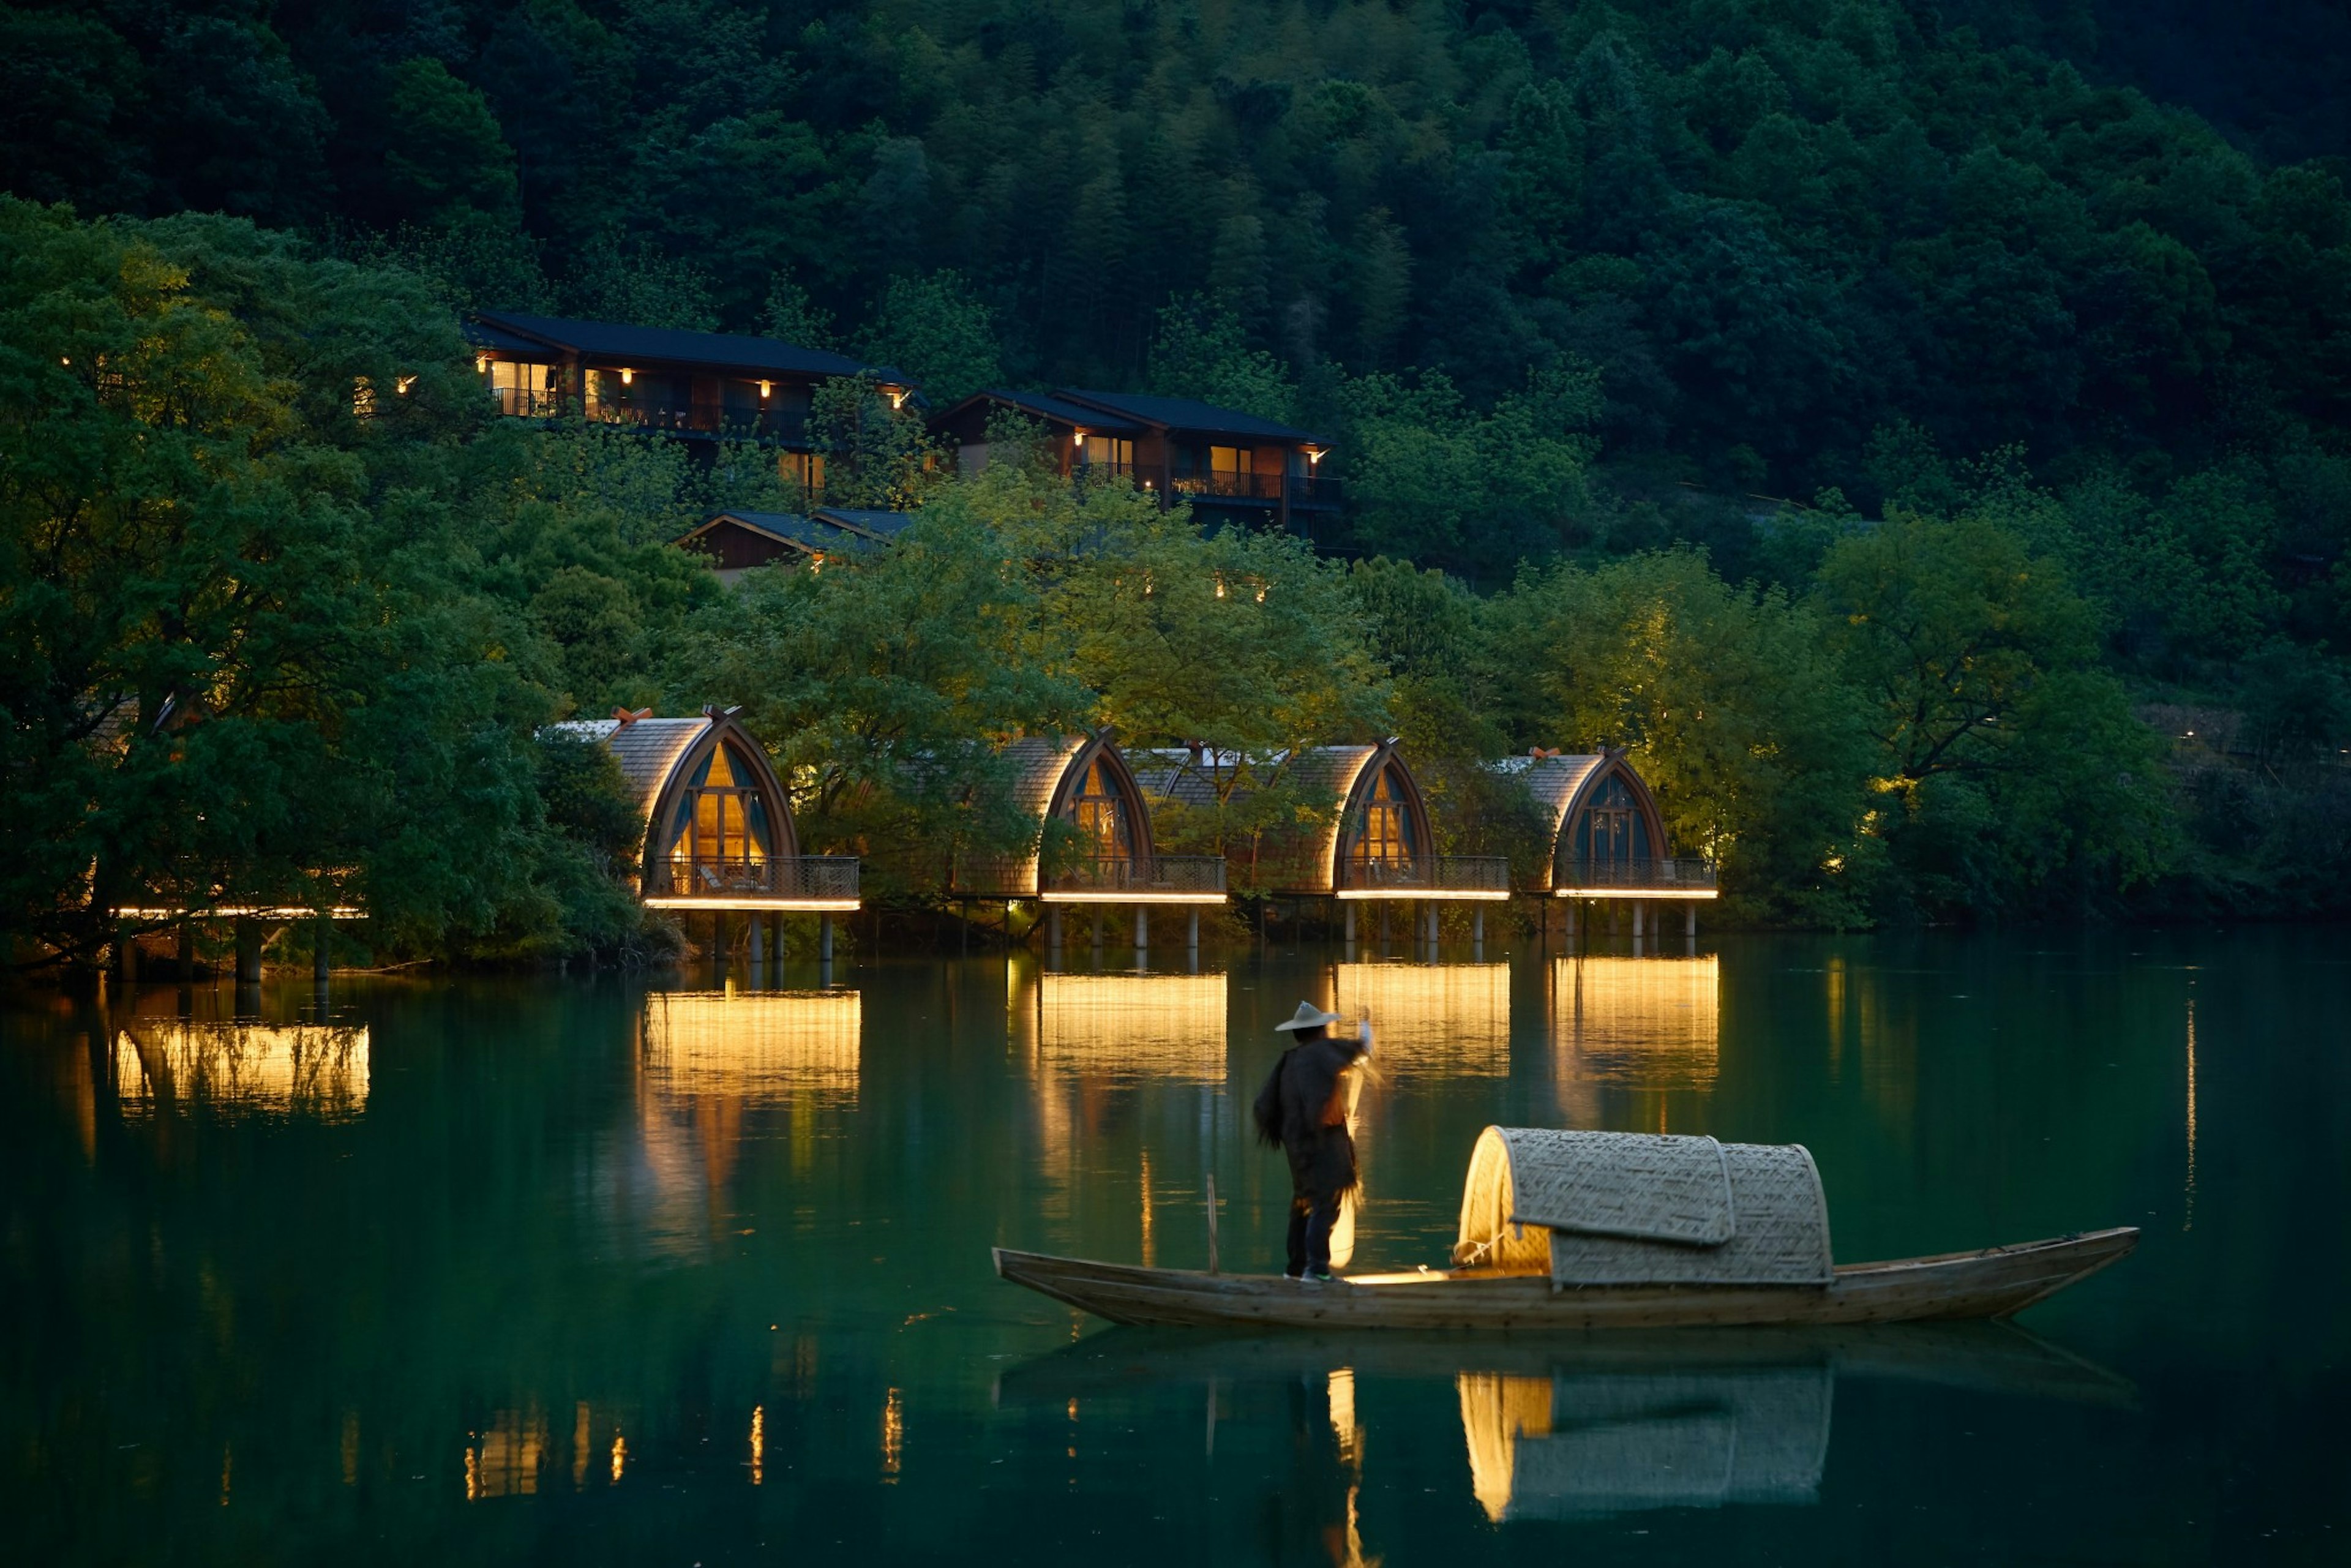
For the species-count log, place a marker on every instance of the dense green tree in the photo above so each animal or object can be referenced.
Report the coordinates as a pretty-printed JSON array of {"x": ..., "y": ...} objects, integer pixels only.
[
  {"x": 2009, "y": 768},
  {"x": 1732, "y": 705}
]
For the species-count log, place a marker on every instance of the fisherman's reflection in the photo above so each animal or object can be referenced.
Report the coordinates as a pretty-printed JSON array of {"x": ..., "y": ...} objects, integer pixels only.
[{"x": 1316, "y": 1513}]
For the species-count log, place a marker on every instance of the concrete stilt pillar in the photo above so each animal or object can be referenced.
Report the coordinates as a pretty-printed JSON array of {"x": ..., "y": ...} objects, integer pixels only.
[
  {"x": 1429, "y": 918},
  {"x": 1689, "y": 918},
  {"x": 1571, "y": 910},
  {"x": 1350, "y": 907},
  {"x": 1478, "y": 925},
  {"x": 321, "y": 950},
  {"x": 1053, "y": 928},
  {"x": 248, "y": 950},
  {"x": 758, "y": 939},
  {"x": 1095, "y": 911},
  {"x": 1640, "y": 908},
  {"x": 1192, "y": 932},
  {"x": 824, "y": 939},
  {"x": 1143, "y": 928}
]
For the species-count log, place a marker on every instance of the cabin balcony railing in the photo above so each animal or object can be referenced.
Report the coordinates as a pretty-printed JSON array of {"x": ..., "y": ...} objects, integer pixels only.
[
  {"x": 1224, "y": 486},
  {"x": 788, "y": 427},
  {"x": 1140, "y": 876},
  {"x": 526, "y": 402},
  {"x": 1302, "y": 489},
  {"x": 1685, "y": 877},
  {"x": 1427, "y": 876},
  {"x": 1103, "y": 473},
  {"x": 1109, "y": 878},
  {"x": 814, "y": 878}
]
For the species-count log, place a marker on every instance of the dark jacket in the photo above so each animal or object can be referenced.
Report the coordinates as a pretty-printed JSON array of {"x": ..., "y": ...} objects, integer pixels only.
[{"x": 1303, "y": 1108}]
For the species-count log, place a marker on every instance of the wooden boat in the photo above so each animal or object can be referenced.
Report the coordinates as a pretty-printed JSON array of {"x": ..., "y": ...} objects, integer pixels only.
[
  {"x": 1996, "y": 1283},
  {"x": 1607, "y": 1230}
]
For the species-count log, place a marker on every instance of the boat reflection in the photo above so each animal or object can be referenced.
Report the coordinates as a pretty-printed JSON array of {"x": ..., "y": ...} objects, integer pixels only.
[
  {"x": 1448, "y": 1020},
  {"x": 314, "y": 1070},
  {"x": 1589, "y": 1444},
  {"x": 754, "y": 1046},
  {"x": 1583, "y": 1427},
  {"x": 1649, "y": 1024}
]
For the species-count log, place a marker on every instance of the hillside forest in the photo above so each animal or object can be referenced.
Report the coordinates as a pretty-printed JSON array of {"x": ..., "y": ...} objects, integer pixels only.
[{"x": 1917, "y": 435}]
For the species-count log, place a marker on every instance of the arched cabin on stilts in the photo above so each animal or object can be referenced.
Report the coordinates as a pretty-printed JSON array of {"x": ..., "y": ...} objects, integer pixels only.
[
  {"x": 1608, "y": 840},
  {"x": 719, "y": 838},
  {"x": 1371, "y": 840},
  {"x": 1092, "y": 844}
]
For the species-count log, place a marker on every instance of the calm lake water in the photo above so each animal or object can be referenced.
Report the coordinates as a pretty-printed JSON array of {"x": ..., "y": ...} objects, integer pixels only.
[{"x": 653, "y": 1272}]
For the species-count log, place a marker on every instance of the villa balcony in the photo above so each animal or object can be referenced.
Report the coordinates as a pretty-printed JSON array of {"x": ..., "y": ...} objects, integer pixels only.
[
  {"x": 1103, "y": 879},
  {"x": 1302, "y": 489},
  {"x": 1634, "y": 878},
  {"x": 784, "y": 881},
  {"x": 1152, "y": 878},
  {"x": 1427, "y": 876},
  {"x": 780, "y": 426}
]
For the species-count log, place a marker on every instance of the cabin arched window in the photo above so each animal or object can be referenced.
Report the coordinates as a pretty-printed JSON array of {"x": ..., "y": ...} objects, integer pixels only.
[
  {"x": 1384, "y": 833},
  {"x": 1099, "y": 808},
  {"x": 722, "y": 827},
  {"x": 1612, "y": 828}
]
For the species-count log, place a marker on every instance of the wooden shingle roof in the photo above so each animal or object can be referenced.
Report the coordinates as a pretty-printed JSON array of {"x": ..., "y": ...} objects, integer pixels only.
[
  {"x": 647, "y": 749},
  {"x": 1039, "y": 762}
]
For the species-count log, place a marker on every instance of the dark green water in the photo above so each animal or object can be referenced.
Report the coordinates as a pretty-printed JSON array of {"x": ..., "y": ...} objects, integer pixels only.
[{"x": 538, "y": 1271}]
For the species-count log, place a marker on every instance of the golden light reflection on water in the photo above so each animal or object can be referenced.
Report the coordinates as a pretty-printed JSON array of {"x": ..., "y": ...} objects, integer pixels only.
[
  {"x": 1083, "y": 1038},
  {"x": 1588, "y": 1445},
  {"x": 309, "y": 1070},
  {"x": 1158, "y": 1027},
  {"x": 754, "y": 1046},
  {"x": 1450, "y": 1021},
  {"x": 1652, "y": 1024},
  {"x": 505, "y": 1458}
]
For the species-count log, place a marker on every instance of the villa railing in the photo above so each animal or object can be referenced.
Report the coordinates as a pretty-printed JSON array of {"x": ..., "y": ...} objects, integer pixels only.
[
  {"x": 1239, "y": 486},
  {"x": 1160, "y": 875},
  {"x": 1633, "y": 876},
  {"x": 787, "y": 877},
  {"x": 787, "y": 425},
  {"x": 1426, "y": 874},
  {"x": 1110, "y": 877},
  {"x": 527, "y": 402}
]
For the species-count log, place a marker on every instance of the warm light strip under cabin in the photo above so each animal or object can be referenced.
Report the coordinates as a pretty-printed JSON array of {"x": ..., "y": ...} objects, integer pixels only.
[{"x": 1480, "y": 895}]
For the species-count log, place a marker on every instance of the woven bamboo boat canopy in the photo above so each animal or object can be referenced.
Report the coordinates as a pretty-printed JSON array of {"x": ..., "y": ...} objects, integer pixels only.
[{"x": 1640, "y": 1208}]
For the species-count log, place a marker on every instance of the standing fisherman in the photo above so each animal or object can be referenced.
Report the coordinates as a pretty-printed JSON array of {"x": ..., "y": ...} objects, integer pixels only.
[{"x": 1303, "y": 1108}]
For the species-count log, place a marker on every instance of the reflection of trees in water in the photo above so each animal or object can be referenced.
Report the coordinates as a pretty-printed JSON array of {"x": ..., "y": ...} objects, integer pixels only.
[{"x": 319, "y": 1072}]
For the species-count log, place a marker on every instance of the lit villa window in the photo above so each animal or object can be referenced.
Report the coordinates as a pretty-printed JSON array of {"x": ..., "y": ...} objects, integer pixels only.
[{"x": 520, "y": 387}]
